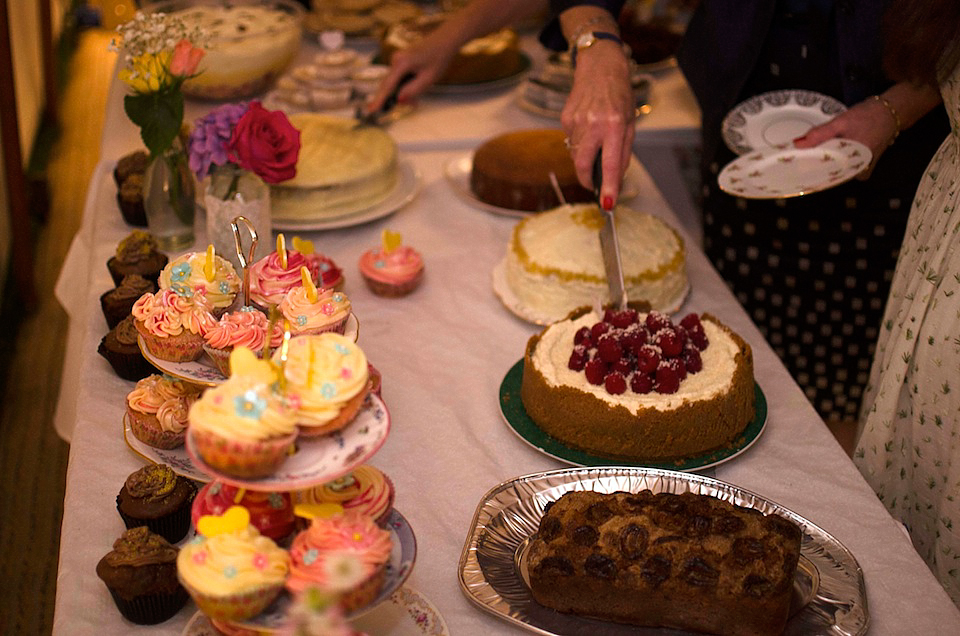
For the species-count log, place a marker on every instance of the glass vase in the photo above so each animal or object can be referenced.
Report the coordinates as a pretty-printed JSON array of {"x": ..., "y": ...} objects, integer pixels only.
[
  {"x": 232, "y": 192},
  {"x": 169, "y": 198}
]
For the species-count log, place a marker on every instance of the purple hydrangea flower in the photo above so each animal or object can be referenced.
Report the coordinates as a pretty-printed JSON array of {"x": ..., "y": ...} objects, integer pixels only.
[{"x": 207, "y": 145}]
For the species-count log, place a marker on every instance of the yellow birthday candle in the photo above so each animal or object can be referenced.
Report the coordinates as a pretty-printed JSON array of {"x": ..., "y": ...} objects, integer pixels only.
[
  {"x": 390, "y": 241},
  {"x": 210, "y": 265},
  {"x": 282, "y": 250},
  {"x": 308, "y": 285}
]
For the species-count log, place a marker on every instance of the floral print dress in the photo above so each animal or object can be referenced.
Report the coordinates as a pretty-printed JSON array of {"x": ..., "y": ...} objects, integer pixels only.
[{"x": 909, "y": 443}]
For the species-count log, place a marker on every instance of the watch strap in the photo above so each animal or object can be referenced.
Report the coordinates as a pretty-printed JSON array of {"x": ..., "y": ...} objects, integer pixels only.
[{"x": 597, "y": 35}]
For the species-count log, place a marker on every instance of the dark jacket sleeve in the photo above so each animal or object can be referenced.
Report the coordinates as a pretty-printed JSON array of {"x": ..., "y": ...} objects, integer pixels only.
[{"x": 552, "y": 36}]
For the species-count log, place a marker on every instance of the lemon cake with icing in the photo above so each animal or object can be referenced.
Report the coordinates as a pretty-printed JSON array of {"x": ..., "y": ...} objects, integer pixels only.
[
  {"x": 342, "y": 169},
  {"x": 632, "y": 385},
  {"x": 554, "y": 263}
]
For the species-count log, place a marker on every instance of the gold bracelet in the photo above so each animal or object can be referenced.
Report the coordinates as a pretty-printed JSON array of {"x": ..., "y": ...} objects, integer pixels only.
[{"x": 893, "y": 113}]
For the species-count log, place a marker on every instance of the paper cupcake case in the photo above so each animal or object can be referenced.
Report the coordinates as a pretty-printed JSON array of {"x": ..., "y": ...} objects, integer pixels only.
[{"x": 239, "y": 458}]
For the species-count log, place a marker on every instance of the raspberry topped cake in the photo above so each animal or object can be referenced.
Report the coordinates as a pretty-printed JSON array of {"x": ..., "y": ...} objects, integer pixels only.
[{"x": 632, "y": 385}]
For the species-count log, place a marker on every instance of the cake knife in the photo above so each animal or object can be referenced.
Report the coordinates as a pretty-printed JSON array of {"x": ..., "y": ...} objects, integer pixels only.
[
  {"x": 608, "y": 242},
  {"x": 375, "y": 118}
]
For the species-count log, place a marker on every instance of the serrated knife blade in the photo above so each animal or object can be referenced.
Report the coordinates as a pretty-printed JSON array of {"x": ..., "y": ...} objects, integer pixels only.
[{"x": 609, "y": 246}]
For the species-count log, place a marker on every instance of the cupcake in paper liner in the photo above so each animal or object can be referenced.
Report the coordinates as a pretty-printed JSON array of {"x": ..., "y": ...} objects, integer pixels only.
[
  {"x": 342, "y": 547},
  {"x": 242, "y": 428},
  {"x": 141, "y": 574},
  {"x": 246, "y": 327},
  {"x": 327, "y": 380},
  {"x": 137, "y": 253},
  {"x": 312, "y": 311},
  {"x": 231, "y": 571},
  {"x": 277, "y": 273},
  {"x": 119, "y": 347},
  {"x": 173, "y": 325},
  {"x": 157, "y": 409},
  {"x": 202, "y": 273},
  {"x": 325, "y": 271},
  {"x": 156, "y": 497},
  {"x": 392, "y": 269},
  {"x": 117, "y": 303},
  {"x": 365, "y": 490}
]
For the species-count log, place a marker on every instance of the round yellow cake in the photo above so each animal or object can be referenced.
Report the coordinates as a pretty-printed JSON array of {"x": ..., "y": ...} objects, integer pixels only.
[{"x": 342, "y": 169}]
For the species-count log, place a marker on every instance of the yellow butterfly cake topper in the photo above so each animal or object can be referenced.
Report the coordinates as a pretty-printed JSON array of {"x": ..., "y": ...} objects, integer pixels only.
[
  {"x": 390, "y": 241},
  {"x": 311, "y": 511},
  {"x": 233, "y": 519},
  {"x": 303, "y": 246}
]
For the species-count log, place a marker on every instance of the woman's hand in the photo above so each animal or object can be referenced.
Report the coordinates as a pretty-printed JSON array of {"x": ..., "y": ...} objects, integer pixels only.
[{"x": 599, "y": 113}]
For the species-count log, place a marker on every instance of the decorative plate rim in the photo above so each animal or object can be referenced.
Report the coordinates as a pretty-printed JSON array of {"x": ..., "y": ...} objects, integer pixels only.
[{"x": 817, "y": 105}]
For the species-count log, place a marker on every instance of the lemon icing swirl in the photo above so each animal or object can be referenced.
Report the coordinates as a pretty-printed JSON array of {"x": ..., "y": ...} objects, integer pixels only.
[
  {"x": 398, "y": 266},
  {"x": 323, "y": 372},
  {"x": 352, "y": 534},
  {"x": 185, "y": 276},
  {"x": 232, "y": 563},
  {"x": 167, "y": 314},
  {"x": 242, "y": 409},
  {"x": 167, "y": 398},
  {"x": 330, "y": 310},
  {"x": 365, "y": 490}
]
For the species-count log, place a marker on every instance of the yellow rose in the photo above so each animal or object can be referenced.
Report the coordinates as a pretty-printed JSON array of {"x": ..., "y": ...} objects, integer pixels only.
[{"x": 148, "y": 73}]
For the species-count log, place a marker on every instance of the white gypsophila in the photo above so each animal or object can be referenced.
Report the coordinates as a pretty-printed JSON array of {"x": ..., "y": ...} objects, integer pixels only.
[{"x": 153, "y": 33}]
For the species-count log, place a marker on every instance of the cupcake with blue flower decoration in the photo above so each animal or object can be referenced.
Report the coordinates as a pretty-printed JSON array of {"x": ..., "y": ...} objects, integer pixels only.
[
  {"x": 202, "y": 274},
  {"x": 312, "y": 311},
  {"x": 327, "y": 380},
  {"x": 243, "y": 427},
  {"x": 230, "y": 570}
]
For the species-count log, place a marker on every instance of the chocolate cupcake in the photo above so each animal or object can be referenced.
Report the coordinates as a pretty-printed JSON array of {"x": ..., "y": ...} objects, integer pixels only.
[
  {"x": 141, "y": 574},
  {"x": 158, "y": 498},
  {"x": 117, "y": 303},
  {"x": 139, "y": 254},
  {"x": 121, "y": 350},
  {"x": 133, "y": 163},
  {"x": 130, "y": 200}
]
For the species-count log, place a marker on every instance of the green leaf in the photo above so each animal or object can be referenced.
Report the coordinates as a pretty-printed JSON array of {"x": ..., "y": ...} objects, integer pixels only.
[{"x": 159, "y": 116}]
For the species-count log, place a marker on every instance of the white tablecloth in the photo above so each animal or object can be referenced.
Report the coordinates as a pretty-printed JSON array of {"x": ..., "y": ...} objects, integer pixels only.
[{"x": 443, "y": 352}]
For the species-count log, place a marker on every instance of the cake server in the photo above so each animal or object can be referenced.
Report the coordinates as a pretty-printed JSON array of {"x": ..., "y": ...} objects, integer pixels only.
[
  {"x": 609, "y": 245},
  {"x": 375, "y": 118}
]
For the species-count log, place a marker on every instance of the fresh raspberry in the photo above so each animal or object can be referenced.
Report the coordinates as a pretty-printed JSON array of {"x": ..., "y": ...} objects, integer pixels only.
[
  {"x": 621, "y": 318},
  {"x": 615, "y": 383},
  {"x": 624, "y": 365},
  {"x": 578, "y": 359},
  {"x": 690, "y": 321},
  {"x": 669, "y": 342},
  {"x": 648, "y": 359},
  {"x": 598, "y": 329},
  {"x": 698, "y": 337},
  {"x": 667, "y": 381},
  {"x": 641, "y": 383},
  {"x": 657, "y": 321},
  {"x": 677, "y": 365},
  {"x": 691, "y": 358},
  {"x": 596, "y": 371},
  {"x": 583, "y": 334},
  {"x": 609, "y": 349},
  {"x": 633, "y": 339}
]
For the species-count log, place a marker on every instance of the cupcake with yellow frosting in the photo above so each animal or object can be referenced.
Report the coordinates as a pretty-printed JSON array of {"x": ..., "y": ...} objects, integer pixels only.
[
  {"x": 313, "y": 311},
  {"x": 327, "y": 380},
  {"x": 230, "y": 570},
  {"x": 173, "y": 326},
  {"x": 341, "y": 540},
  {"x": 242, "y": 428},
  {"x": 157, "y": 410},
  {"x": 365, "y": 490},
  {"x": 246, "y": 327},
  {"x": 202, "y": 274},
  {"x": 392, "y": 269}
]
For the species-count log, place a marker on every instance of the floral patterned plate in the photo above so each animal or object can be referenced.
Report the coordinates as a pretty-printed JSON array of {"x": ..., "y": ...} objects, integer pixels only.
[
  {"x": 785, "y": 171},
  {"x": 202, "y": 370},
  {"x": 315, "y": 461},
  {"x": 776, "y": 118}
]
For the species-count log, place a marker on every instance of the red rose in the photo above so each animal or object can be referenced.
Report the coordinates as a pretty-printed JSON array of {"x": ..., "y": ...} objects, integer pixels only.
[{"x": 266, "y": 143}]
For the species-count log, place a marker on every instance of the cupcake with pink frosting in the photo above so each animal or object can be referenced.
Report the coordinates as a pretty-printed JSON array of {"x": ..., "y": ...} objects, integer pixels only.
[
  {"x": 276, "y": 274},
  {"x": 246, "y": 327},
  {"x": 157, "y": 410},
  {"x": 365, "y": 490},
  {"x": 173, "y": 326},
  {"x": 348, "y": 539},
  {"x": 326, "y": 273},
  {"x": 312, "y": 311},
  {"x": 392, "y": 269}
]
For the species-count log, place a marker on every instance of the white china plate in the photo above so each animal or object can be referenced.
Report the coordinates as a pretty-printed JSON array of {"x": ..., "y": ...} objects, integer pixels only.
[
  {"x": 786, "y": 171},
  {"x": 509, "y": 300},
  {"x": 776, "y": 118},
  {"x": 316, "y": 460},
  {"x": 458, "y": 172},
  {"x": 203, "y": 372},
  {"x": 396, "y": 610},
  {"x": 405, "y": 190},
  {"x": 829, "y": 591}
]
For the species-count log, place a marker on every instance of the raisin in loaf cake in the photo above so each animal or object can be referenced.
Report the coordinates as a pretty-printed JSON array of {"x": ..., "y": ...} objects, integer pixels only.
[{"x": 685, "y": 561}]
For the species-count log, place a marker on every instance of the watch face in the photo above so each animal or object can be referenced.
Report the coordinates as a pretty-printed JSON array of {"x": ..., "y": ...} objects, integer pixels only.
[{"x": 586, "y": 40}]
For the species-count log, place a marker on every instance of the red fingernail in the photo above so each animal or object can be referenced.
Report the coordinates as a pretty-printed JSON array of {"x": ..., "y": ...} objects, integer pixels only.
[
  {"x": 607, "y": 203},
  {"x": 801, "y": 137}
]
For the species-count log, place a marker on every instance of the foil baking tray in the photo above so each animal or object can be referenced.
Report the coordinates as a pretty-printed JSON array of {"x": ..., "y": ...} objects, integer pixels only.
[{"x": 829, "y": 595}]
